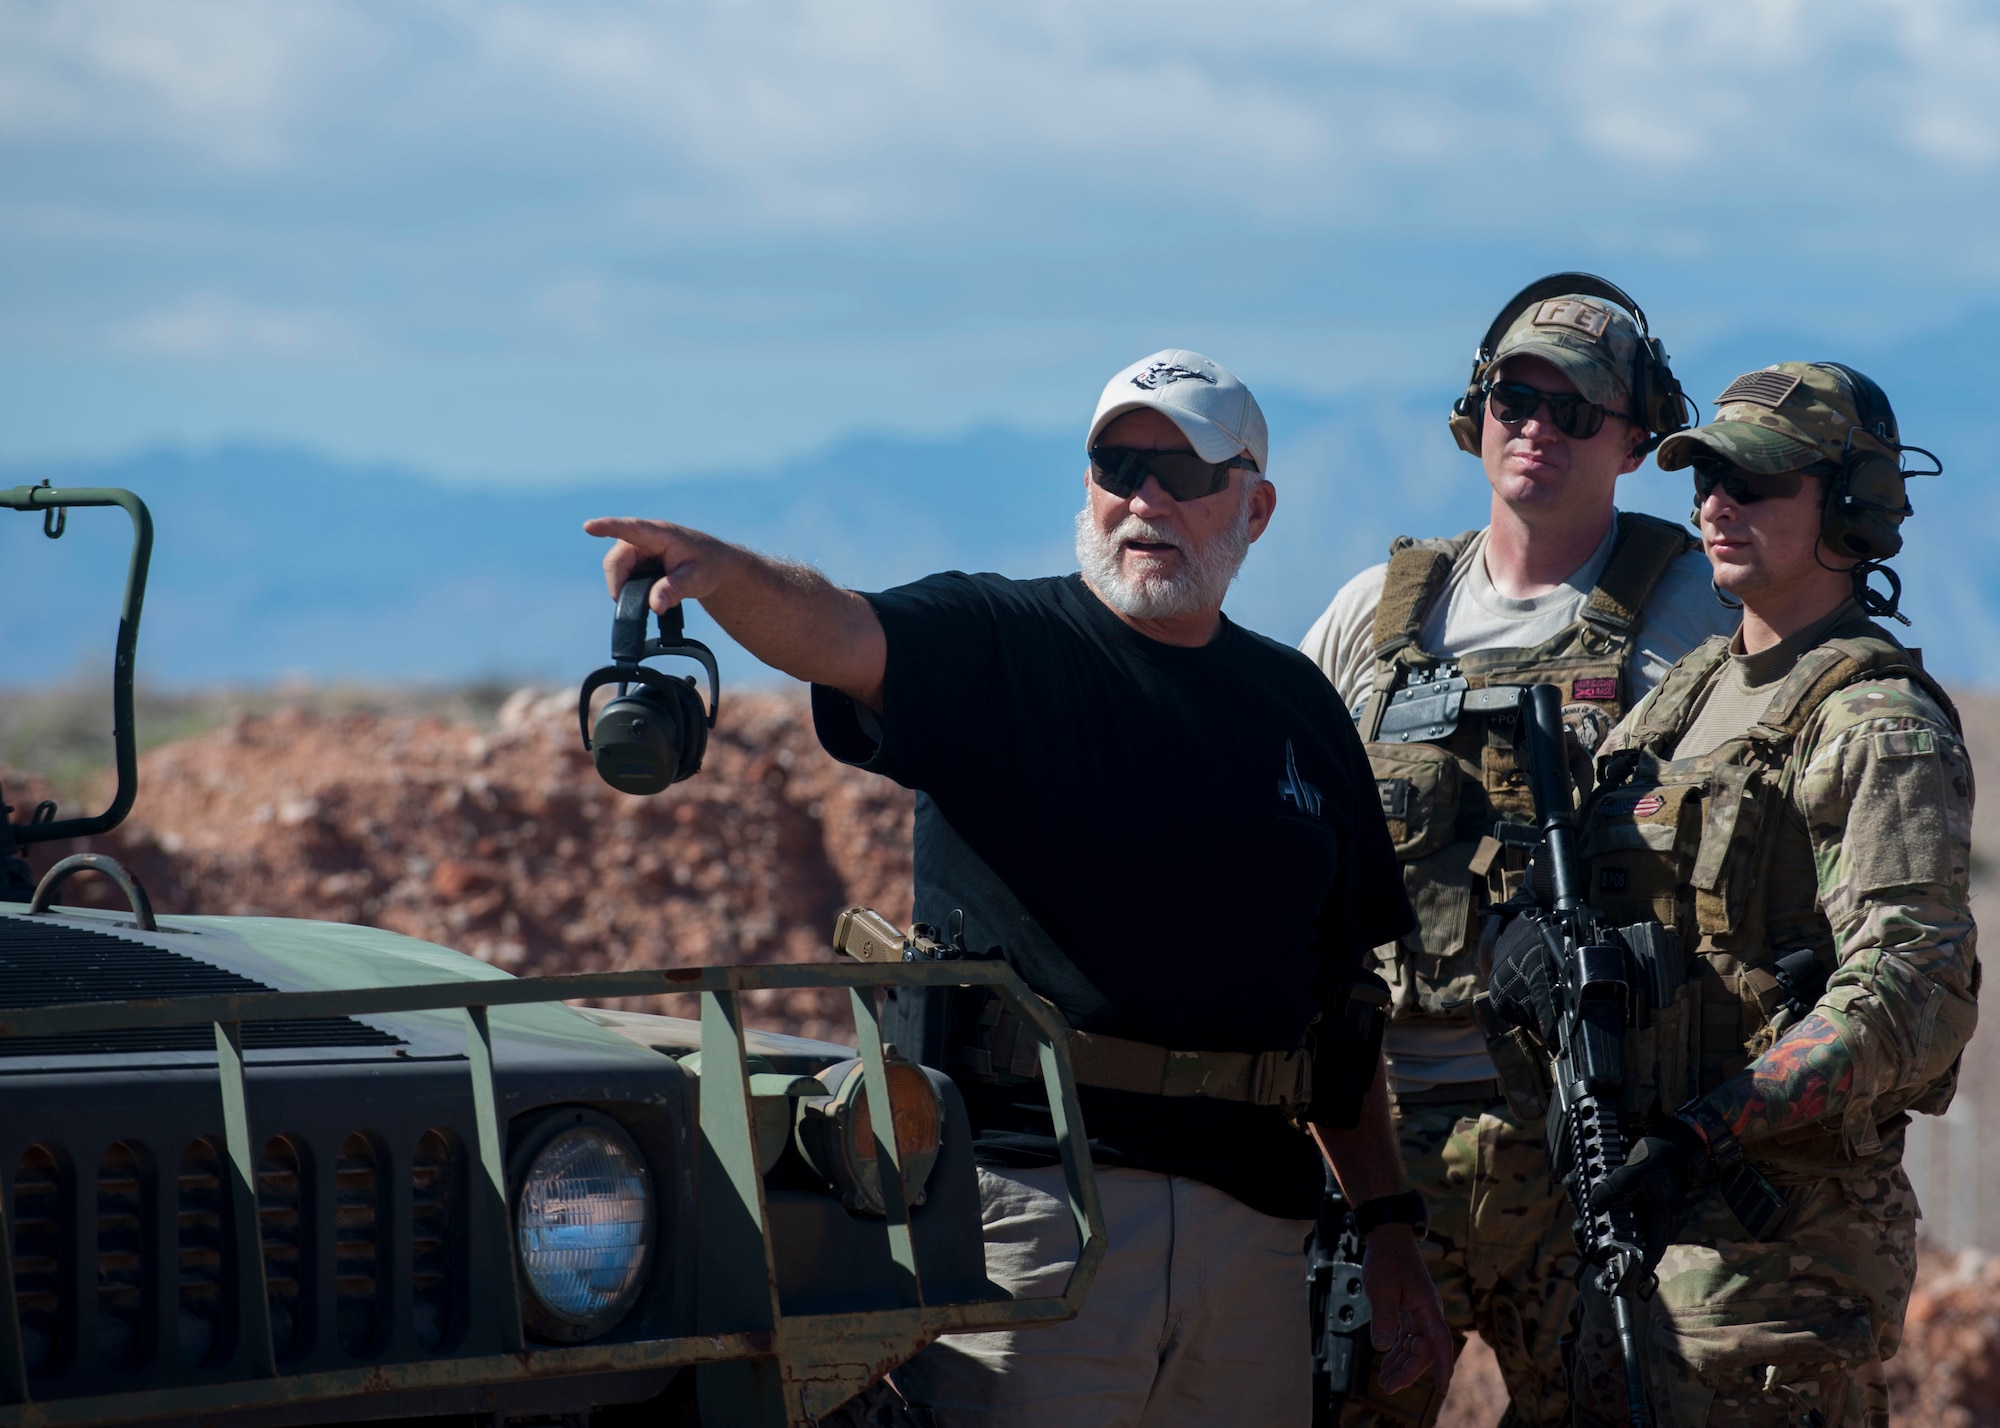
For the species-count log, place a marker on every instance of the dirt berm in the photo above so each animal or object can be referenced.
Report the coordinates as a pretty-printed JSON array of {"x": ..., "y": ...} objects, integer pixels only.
[{"x": 502, "y": 842}]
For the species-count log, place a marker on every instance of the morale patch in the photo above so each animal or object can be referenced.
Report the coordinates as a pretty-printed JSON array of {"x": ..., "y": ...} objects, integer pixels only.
[
  {"x": 1612, "y": 879},
  {"x": 1585, "y": 317},
  {"x": 1766, "y": 389},
  {"x": 1395, "y": 795},
  {"x": 1598, "y": 688},
  {"x": 1905, "y": 744},
  {"x": 1165, "y": 374},
  {"x": 1588, "y": 724},
  {"x": 1634, "y": 805}
]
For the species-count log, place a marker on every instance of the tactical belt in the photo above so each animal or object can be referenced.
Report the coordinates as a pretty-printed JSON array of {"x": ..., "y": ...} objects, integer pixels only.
[{"x": 1005, "y": 1051}]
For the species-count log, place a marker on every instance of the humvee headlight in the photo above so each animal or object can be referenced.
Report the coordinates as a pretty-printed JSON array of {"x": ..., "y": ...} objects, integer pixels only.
[
  {"x": 836, "y": 1133},
  {"x": 584, "y": 1226}
]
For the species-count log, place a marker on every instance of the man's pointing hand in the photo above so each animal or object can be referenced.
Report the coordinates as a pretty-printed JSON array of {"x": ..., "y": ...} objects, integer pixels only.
[
  {"x": 789, "y": 616},
  {"x": 693, "y": 560}
]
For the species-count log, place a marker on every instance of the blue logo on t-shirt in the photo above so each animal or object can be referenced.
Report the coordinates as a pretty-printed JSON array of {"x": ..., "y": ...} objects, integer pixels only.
[{"x": 1295, "y": 790}]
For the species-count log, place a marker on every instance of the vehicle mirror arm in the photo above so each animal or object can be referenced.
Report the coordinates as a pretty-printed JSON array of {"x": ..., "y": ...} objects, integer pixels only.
[{"x": 125, "y": 740}]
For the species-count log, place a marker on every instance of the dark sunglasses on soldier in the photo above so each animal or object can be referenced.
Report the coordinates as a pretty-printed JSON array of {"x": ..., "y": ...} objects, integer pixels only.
[
  {"x": 1745, "y": 488},
  {"x": 1514, "y": 402},
  {"x": 1121, "y": 470}
]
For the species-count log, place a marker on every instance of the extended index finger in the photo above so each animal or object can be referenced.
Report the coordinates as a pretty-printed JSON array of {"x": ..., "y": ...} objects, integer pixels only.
[{"x": 635, "y": 540}]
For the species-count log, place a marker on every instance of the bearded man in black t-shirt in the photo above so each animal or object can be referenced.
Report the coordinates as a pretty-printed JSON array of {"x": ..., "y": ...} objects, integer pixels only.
[{"x": 1166, "y": 825}]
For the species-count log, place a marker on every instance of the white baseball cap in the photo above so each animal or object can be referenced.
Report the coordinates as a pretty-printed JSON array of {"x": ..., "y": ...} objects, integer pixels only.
[{"x": 1204, "y": 399}]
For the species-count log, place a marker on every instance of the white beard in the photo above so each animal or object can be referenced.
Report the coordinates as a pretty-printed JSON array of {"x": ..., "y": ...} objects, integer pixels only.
[{"x": 1204, "y": 577}]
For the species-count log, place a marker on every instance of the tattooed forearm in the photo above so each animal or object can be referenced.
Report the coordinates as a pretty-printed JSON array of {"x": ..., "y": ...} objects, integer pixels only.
[{"x": 1806, "y": 1074}]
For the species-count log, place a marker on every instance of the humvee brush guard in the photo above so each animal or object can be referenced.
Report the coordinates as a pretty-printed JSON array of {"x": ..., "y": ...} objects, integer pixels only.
[{"x": 267, "y": 1171}]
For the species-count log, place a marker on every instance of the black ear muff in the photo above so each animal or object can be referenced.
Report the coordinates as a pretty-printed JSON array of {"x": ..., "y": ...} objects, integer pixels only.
[
  {"x": 1866, "y": 505},
  {"x": 654, "y": 732},
  {"x": 649, "y": 738}
]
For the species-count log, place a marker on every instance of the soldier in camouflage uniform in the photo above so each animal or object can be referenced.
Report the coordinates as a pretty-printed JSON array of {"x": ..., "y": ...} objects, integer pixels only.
[
  {"x": 1568, "y": 392},
  {"x": 1795, "y": 804}
]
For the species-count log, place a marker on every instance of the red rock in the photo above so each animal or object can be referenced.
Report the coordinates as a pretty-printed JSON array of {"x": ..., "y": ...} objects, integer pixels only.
[{"x": 504, "y": 844}]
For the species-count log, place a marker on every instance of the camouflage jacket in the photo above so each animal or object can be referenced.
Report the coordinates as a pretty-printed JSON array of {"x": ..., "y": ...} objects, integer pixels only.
[{"x": 1842, "y": 822}]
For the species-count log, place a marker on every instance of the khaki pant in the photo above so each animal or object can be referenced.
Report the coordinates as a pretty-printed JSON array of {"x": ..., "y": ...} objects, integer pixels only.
[
  {"x": 1499, "y": 1251},
  {"x": 1197, "y": 1315}
]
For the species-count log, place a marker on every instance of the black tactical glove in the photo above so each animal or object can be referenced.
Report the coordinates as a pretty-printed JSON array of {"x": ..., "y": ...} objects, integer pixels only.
[
  {"x": 1519, "y": 982},
  {"x": 1656, "y": 1181}
]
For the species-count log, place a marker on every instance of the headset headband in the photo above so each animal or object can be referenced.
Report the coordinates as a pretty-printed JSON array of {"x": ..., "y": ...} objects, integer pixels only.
[
  {"x": 1559, "y": 285},
  {"x": 1872, "y": 412}
]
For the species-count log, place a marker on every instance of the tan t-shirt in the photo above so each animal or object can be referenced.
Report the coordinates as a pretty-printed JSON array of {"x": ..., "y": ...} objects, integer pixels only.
[{"x": 1739, "y": 695}]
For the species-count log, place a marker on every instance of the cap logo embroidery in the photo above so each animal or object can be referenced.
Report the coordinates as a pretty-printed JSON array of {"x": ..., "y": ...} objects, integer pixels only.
[
  {"x": 1585, "y": 317},
  {"x": 1766, "y": 389},
  {"x": 1165, "y": 374}
]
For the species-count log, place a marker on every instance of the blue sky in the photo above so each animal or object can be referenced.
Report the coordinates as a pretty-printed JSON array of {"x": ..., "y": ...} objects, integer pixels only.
[{"x": 523, "y": 243}]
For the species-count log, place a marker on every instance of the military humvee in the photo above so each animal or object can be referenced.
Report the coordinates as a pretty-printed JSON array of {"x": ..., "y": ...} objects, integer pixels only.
[{"x": 268, "y": 1171}]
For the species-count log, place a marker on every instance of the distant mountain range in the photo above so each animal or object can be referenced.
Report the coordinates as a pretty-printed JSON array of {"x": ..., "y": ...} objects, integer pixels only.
[{"x": 275, "y": 564}]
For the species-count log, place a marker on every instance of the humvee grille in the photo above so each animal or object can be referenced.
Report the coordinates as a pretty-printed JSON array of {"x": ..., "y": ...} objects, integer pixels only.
[
  {"x": 431, "y": 1240},
  {"x": 121, "y": 1242},
  {"x": 44, "y": 964},
  {"x": 39, "y": 1240},
  {"x": 201, "y": 1227},
  {"x": 306, "y": 1219},
  {"x": 357, "y": 1211},
  {"x": 281, "y": 1226}
]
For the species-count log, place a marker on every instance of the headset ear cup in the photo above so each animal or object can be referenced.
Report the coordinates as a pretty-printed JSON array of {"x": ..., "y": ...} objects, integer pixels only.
[
  {"x": 1865, "y": 509},
  {"x": 1468, "y": 422},
  {"x": 651, "y": 738},
  {"x": 694, "y": 730}
]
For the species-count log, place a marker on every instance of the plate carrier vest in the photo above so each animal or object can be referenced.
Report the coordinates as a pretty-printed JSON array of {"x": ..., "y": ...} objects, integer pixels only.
[
  {"x": 1710, "y": 847},
  {"x": 1442, "y": 748}
]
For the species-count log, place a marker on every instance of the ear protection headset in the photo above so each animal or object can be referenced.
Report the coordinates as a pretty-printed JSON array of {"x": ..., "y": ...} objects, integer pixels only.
[
  {"x": 653, "y": 735},
  {"x": 1865, "y": 500},
  {"x": 1658, "y": 403},
  {"x": 1866, "y": 503}
]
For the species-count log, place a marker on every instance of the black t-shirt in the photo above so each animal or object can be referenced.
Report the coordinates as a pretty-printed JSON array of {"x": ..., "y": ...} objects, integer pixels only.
[{"x": 1196, "y": 831}]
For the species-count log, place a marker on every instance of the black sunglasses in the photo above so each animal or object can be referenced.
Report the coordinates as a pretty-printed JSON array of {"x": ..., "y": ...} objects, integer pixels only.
[
  {"x": 1745, "y": 488},
  {"x": 1514, "y": 402},
  {"x": 1121, "y": 470}
]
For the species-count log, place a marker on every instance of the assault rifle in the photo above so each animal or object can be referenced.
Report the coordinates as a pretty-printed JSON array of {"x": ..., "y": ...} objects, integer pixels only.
[
  {"x": 1338, "y": 1308},
  {"x": 1596, "y": 992}
]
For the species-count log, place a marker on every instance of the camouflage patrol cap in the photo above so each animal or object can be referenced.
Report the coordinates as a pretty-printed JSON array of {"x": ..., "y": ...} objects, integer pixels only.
[
  {"x": 1781, "y": 418},
  {"x": 1589, "y": 340}
]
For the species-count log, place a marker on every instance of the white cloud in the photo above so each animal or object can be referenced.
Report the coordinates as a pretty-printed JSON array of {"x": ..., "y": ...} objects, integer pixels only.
[
  {"x": 819, "y": 112},
  {"x": 218, "y": 325},
  {"x": 231, "y": 80}
]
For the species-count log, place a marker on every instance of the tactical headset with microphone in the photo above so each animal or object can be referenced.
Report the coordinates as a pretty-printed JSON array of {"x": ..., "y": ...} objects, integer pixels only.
[
  {"x": 655, "y": 734},
  {"x": 1866, "y": 502},
  {"x": 1657, "y": 401}
]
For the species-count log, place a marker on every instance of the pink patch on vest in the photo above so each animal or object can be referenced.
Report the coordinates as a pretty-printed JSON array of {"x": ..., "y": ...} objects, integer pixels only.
[{"x": 1594, "y": 689}]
